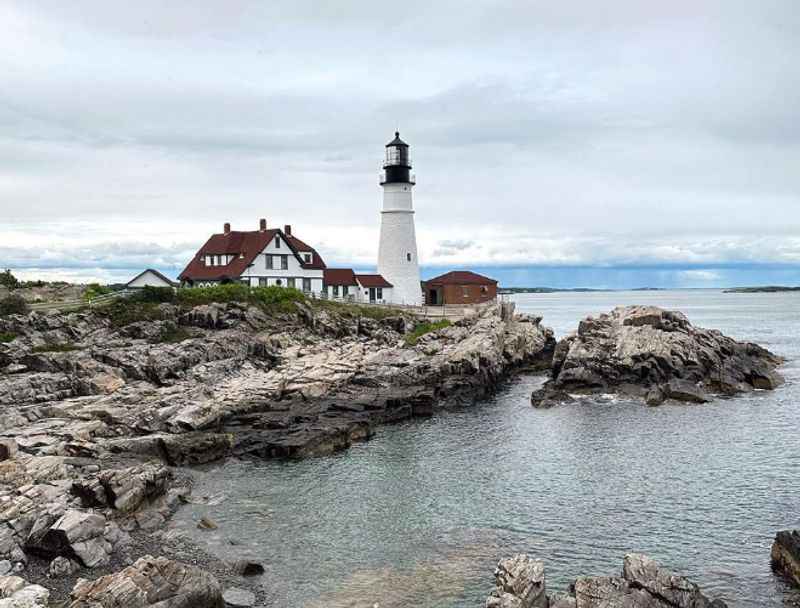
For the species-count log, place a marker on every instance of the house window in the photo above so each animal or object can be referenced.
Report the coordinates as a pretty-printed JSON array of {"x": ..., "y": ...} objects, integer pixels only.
[
  {"x": 408, "y": 257},
  {"x": 306, "y": 284},
  {"x": 379, "y": 293},
  {"x": 466, "y": 291},
  {"x": 268, "y": 258},
  {"x": 336, "y": 291},
  {"x": 262, "y": 281},
  {"x": 284, "y": 262},
  {"x": 307, "y": 257},
  {"x": 344, "y": 290},
  {"x": 290, "y": 282},
  {"x": 484, "y": 289},
  {"x": 277, "y": 242}
]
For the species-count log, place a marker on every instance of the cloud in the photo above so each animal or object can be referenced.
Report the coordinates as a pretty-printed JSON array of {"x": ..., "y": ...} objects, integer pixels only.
[{"x": 627, "y": 133}]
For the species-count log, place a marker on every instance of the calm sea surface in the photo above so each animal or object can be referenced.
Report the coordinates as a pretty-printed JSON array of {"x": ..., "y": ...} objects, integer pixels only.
[{"x": 420, "y": 515}]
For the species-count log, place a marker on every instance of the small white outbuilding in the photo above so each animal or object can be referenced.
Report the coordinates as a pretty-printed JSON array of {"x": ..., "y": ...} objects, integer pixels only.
[{"x": 149, "y": 278}]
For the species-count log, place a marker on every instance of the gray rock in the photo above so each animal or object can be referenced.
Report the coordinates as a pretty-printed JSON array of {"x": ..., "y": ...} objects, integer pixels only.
[
  {"x": 9, "y": 585},
  {"x": 77, "y": 534},
  {"x": 683, "y": 390},
  {"x": 150, "y": 582},
  {"x": 642, "y": 572},
  {"x": 239, "y": 598},
  {"x": 655, "y": 354},
  {"x": 30, "y": 596},
  {"x": 246, "y": 567},
  {"x": 785, "y": 555},
  {"x": 519, "y": 583},
  {"x": 62, "y": 567},
  {"x": 6, "y": 567}
]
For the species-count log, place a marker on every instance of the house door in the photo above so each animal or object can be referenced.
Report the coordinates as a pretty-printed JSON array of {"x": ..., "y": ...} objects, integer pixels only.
[
  {"x": 372, "y": 294},
  {"x": 433, "y": 300}
]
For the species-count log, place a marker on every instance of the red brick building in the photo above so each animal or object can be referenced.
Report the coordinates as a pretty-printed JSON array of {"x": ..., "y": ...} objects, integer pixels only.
[{"x": 459, "y": 287}]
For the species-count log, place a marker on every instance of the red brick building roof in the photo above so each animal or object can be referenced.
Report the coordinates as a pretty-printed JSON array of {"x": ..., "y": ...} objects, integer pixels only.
[{"x": 460, "y": 277}]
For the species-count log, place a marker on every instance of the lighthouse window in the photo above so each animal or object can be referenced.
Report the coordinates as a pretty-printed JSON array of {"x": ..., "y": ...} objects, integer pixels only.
[{"x": 408, "y": 257}]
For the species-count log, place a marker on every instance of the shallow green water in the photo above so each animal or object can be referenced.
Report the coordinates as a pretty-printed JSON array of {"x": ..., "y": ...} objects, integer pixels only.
[{"x": 419, "y": 515}]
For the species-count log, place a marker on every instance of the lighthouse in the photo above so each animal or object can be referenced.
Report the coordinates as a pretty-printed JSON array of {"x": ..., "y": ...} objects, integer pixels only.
[{"x": 397, "y": 252}]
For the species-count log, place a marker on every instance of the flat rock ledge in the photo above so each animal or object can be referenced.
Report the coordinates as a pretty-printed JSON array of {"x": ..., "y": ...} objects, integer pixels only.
[
  {"x": 520, "y": 583},
  {"x": 785, "y": 556},
  {"x": 653, "y": 354}
]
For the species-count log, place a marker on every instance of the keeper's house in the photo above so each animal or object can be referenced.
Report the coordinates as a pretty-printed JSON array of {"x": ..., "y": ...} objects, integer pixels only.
[{"x": 271, "y": 256}]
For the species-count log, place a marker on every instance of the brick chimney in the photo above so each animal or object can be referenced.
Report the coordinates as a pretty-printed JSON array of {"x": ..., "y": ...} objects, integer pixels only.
[
  {"x": 226, "y": 228},
  {"x": 262, "y": 224},
  {"x": 287, "y": 230}
]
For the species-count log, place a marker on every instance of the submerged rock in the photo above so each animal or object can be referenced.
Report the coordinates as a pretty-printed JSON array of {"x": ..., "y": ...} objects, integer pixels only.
[
  {"x": 655, "y": 354},
  {"x": 520, "y": 583},
  {"x": 785, "y": 556}
]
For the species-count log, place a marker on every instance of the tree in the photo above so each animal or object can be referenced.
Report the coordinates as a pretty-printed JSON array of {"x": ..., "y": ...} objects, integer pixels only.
[{"x": 8, "y": 280}]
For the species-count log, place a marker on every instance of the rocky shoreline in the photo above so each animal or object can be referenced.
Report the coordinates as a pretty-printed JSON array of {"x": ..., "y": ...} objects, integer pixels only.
[{"x": 97, "y": 413}]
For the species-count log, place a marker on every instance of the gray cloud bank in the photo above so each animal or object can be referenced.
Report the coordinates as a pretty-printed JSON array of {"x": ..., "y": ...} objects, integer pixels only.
[{"x": 582, "y": 132}]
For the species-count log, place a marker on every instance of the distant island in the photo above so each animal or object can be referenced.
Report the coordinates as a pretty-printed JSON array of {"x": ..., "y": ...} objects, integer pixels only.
[
  {"x": 510, "y": 290},
  {"x": 764, "y": 289}
]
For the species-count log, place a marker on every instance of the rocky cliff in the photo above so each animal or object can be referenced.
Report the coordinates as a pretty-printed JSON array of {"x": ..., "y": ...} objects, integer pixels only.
[
  {"x": 655, "y": 354},
  {"x": 96, "y": 410}
]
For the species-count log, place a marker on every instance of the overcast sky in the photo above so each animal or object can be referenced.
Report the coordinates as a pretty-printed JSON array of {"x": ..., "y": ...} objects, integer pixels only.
[{"x": 544, "y": 134}]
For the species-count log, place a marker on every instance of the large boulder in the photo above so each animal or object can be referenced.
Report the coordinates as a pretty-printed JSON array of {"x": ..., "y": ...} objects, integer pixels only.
[
  {"x": 76, "y": 534},
  {"x": 519, "y": 583},
  {"x": 786, "y": 555},
  {"x": 655, "y": 354},
  {"x": 150, "y": 581}
]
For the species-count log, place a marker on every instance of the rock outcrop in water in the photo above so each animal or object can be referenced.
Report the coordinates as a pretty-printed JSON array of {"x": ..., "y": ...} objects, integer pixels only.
[
  {"x": 654, "y": 354},
  {"x": 95, "y": 413},
  {"x": 520, "y": 583},
  {"x": 785, "y": 556}
]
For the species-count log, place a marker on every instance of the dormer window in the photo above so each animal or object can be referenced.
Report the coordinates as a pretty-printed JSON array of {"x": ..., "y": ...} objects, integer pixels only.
[
  {"x": 307, "y": 257},
  {"x": 277, "y": 242}
]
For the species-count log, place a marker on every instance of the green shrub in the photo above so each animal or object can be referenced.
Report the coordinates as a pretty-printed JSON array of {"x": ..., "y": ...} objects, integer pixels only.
[
  {"x": 5, "y": 338},
  {"x": 94, "y": 290},
  {"x": 425, "y": 328},
  {"x": 14, "y": 305},
  {"x": 237, "y": 292},
  {"x": 8, "y": 280},
  {"x": 122, "y": 312},
  {"x": 61, "y": 347},
  {"x": 154, "y": 295}
]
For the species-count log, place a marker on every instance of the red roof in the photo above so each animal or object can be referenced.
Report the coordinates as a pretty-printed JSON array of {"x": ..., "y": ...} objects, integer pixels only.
[
  {"x": 372, "y": 280},
  {"x": 316, "y": 262},
  {"x": 338, "y": 276},
  {"x": 245, "y": 246},
  {"x": 460, "y": 277}
]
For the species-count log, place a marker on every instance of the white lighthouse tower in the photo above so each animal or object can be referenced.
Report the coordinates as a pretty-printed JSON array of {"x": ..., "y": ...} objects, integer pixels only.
[{"x": 397, "y": 253}]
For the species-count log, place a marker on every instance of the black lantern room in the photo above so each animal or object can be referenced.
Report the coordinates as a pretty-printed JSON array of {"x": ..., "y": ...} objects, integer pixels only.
[{"x": 397, "y": 164}]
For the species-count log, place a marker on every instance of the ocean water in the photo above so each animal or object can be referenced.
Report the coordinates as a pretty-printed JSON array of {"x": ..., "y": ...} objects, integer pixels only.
[{"x": 419, "y": 515}]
